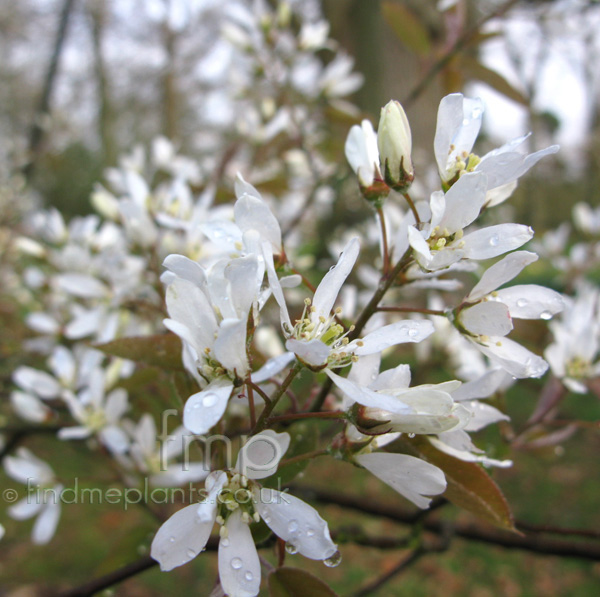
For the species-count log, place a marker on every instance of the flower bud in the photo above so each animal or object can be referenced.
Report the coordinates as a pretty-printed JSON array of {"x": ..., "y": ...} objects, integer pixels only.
[{"x": 395, "y": 145}]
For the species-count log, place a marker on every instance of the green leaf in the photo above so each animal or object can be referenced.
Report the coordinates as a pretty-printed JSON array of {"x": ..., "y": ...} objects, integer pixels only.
[
  {"x": 163, "y": 350},
  {"x": 407, "y": 27},
  {"x": 473, "y": 69},
  {"x": 304, "y": 438},
  {"x": 469, "y": 486},
  {"x": 293, "y": 582}
]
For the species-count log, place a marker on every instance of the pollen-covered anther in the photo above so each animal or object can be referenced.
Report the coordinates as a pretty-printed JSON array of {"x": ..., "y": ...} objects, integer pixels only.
[{"x": 358, "y": 343}]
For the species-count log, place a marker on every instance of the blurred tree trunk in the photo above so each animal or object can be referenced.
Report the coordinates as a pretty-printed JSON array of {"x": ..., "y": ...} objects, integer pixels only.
[
  {"x": 43, "y": 109},
  {"x": 98, "y": 14},
  {"x": 169, "y": 82}
]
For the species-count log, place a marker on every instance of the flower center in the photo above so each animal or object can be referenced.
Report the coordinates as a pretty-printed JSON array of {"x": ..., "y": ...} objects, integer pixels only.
[{"x": 237, "y": 494}]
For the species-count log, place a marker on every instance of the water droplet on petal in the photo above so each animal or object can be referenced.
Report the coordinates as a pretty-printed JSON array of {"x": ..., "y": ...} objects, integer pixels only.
[
  {"x": 546, "y": 315},
  {"x": 171, "y": 539},
  {"x": 209, "y": 400},
  {"x": 248, "y": 576},
  {"x": 291, "y": 548},
  {"x": 494, "y": 240},
  {"x": 236, "y": 563},
  {"x": 411, "y": 435},
  {"x": 191, "y": 553},
  {"x": 267, "y": 519},
  {"x": 293, "y": 526},
  {"x": 412, "y": 332},
  {"x": 225, "y": 542},
  {"x": 521, "y": 302},
  {"x": 333, "y": 560},
  {"x": 310, "y": 532}
]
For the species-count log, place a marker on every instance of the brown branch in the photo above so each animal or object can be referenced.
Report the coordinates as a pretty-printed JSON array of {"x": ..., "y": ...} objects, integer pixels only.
[{"x": 471, "y": 531}]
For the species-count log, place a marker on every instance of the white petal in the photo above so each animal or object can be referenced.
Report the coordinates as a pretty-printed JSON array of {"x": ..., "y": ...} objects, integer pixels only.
[
  {"x": 204, "y": 409},
  {"x": 483, "y": 415},
  {"x": 46, "y": 523},
  {"x": 458, "y": 124},
  {"x": 395, "y": 333},
  {"x": 488, "y": 317},
  {"x": 272, "y": 367},
  {"x": 183, "y": 536},
  {"x": 252, "y": 213},
  {"x": 260, "y": 456},
  {"x": 25, "y": 467},
  {"x": 409, "y": 476},
  {"x": 42, "y": 323},
  {"x": 30, "y": 407},
  {"x": 501, "y": 272},
  {"x": 419, "y": 244},
  {"x": 116, "y": 405},
  {"x": 494, "y": 240},
  {"x": 27, "y": 507},
  {"x": 82, "y": 285},
  {"x": 37, "y": 382},
  {"x": 464, "y": 201},
  {"x": 63, "y": 365},
  {"x": 187, "y": 269},
  {"x": 392, "y": 379},
  {"x": 513, "y": 357},
  {"x": 296, "y": 522},
  {"x": 239, "y": 566},
  {"x": 230, "y": 346},
  {"x": 180, "y": 474},
  {"x": 77, "y": 432},
  {"x": 530, "y": 301},
  {"x": 368, "y": 397},
  {"x": 242, "y": 274},
  {"x": 114, "y": 438},
  {"x": 189, "y": 306},
  {"x": 313, "y": 352},
  {"x": 275, "y": 285},
  {"x": 459, "y": 445},
  {"x": 483, "y": 387},
  {"x": 330, "y": 285}
]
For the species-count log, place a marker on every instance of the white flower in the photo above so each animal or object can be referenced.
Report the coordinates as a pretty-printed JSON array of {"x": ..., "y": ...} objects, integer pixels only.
[
  {"x": 98, "y": 413},
  {"x": 235, "y": 500},
  {"x": 43, "y": 501},
  {"x": 442, "y": 242},
  {"x": 153, "y": 458},
  {"x": 486, "y": 313},
  {"x": 209, "y": 312},
  {"x": 458, "y": 124},
  {"x": 573, "y": 356},
  {"x": 317, "y": 339},
  {"x": 393, "y": 406}
]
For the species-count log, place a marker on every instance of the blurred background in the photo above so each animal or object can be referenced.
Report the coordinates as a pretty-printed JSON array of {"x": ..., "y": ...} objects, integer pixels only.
[{"x": 83, "y": 82}]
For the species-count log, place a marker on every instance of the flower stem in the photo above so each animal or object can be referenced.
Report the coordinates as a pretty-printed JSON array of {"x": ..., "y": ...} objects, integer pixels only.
[
  {"x": 411, "y": 204},
  {"x": 384, "y": 241},
  {"x": 269, "y": 406}
]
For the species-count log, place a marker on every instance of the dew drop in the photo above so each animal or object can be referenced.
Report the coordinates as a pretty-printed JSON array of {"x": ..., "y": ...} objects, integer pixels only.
[
  {"x": 310, "y": 532},
  {"x": 291, "y": 548},
  {"x": 494, "y": 240},
  {"x": 411, "y": 435},
  {"x": 293, "y": 526},
  {"x": 171, "y": 539},
  {"x": 248, "y": 576},
  {"x": 267, "y": 519},
  {"x": 236, "y": 563},
  {"x": 196, "y": 405},
  {"x": 209, "y": 400},
  {"x": 546, "y": 315},
  {"x": 191, "y": 553},
  {"x": 412, "y": 332},
  {"x": 225, "y": 542},
  {"x": 521, "y": 302},
  {"x": 334, "y": 560}
]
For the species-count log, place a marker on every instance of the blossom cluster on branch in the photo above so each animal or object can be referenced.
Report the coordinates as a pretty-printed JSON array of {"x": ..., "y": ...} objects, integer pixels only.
[{"x": 216, "y": 297}]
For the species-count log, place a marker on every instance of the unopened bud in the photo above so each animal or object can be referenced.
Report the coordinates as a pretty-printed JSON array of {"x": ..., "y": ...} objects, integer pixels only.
[{"x": 395, "y": 146}]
